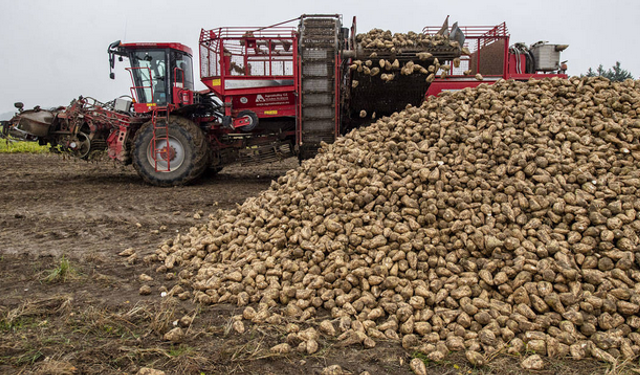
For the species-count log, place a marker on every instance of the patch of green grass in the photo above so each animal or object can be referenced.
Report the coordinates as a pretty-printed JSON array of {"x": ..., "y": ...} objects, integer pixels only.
[
  {"x": 63, "y": 272},
  {"x": 108, "y": 329},
  {"x": 30, "y": 357},
  {"x": 7, "y": 147},
  {"x": 16, "y": 324},
  {"x": 180, "y": 350}
]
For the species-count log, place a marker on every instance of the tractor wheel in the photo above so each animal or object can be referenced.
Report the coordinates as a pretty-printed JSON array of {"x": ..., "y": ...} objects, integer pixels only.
[
  {"x": 179, "y": 161},
  {"x": 252, "y": 117}
]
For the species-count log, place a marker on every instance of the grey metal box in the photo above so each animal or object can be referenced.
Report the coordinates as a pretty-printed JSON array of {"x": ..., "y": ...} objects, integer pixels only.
[
  {"x": 546, "y": 57},
  {"x": 122, "y": 105}
]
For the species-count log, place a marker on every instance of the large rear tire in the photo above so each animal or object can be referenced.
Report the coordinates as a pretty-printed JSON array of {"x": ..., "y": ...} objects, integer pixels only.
[{"x": 184, "y": 159}]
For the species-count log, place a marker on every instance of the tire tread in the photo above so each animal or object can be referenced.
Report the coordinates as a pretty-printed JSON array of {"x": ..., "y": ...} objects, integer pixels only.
[{"x": 199, "y": 163}]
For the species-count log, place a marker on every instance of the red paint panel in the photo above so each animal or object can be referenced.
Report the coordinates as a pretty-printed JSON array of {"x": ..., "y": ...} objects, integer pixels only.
[
  {"x": 273, "y": 111},
  {"x": 266, "y": 100}
]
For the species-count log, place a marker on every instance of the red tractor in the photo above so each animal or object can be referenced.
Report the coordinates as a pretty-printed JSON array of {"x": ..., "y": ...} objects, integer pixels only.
[{"x": 272, "y": 92}]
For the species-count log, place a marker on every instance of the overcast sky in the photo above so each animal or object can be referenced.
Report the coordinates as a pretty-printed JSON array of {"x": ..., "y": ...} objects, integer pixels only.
[{"x": 54, "y": 51}]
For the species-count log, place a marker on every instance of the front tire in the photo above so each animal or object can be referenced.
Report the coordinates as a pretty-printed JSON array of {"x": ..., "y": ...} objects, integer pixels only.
[{"x": 185, "y": 155}]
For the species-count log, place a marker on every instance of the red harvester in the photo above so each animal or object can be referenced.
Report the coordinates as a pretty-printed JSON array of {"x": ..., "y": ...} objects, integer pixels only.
[{"x": 272, "y": 92}]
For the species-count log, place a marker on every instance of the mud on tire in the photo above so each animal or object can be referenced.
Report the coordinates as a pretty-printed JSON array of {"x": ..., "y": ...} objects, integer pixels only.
[{"x": 189, "y": 162}]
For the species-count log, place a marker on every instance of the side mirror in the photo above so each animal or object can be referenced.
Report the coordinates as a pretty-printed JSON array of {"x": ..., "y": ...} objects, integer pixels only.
[
  {"x": 19, "y": 105},
  {"x": 112, "y": 61}
]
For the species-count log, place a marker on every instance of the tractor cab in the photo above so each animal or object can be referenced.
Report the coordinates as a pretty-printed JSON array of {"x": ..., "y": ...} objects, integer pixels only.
[{"x": 161, "y": 73}]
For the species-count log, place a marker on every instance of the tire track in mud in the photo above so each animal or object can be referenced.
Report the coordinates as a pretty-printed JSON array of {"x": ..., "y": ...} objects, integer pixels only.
[{"x": 53, "y": 206}]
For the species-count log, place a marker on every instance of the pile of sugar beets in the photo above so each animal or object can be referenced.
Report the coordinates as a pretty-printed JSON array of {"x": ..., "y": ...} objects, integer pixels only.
[{"x": 503, "y": 217}]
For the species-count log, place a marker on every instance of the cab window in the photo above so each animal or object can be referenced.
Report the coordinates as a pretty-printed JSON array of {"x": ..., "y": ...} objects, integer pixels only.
[
  {"x": 150, "y": 75},
  {"x": 184, "y": 69}
]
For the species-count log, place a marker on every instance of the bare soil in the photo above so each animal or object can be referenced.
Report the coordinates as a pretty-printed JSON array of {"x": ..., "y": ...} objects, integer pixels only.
[{"x": 91, "y": 319}]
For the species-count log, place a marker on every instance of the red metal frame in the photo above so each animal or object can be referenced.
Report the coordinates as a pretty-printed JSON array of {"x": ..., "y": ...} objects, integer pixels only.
[
  {"x": 477, "y": 38},
  {"x": 338, "y": 80},
  {"x": 298, "y": 64},
  {"x": 252, "y": 69},
  {"x": 180, "y": 95},
  {"x": 92, "y": 113},
  {"x": 166, "y": 153},
  {"x": 134, "y": 88}
]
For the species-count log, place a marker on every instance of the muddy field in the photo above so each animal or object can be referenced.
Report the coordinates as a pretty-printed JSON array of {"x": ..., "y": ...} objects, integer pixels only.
[{"x": 69, "y": 304}]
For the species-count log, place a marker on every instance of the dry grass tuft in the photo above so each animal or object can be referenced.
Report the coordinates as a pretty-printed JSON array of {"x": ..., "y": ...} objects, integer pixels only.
[
  {"x": 51, "y": 366},
  {"x": 48, "y": 306}
]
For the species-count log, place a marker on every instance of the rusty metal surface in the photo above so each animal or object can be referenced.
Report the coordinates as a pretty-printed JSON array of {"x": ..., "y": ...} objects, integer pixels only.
[{"x": 36, "y": 122}]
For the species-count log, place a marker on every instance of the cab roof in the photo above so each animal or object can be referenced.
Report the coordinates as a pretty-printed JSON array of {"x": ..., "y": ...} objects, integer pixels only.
[{"x": 146, "y": 45}]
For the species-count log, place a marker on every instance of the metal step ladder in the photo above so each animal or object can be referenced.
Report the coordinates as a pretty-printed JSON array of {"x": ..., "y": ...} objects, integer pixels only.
[
  {"x": 160, "y": 122},
  {"x": 319, "y": 85}
]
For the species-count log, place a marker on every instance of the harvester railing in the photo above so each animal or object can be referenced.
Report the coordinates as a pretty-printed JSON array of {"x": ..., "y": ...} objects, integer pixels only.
[
  {"x": 488, "y": 47},
  {"x": 135, "y": 88},
  {"x": 234, "y": 57}
]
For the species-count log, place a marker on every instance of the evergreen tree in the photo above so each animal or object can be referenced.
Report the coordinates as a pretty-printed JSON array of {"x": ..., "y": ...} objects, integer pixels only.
[{"x": 616, "y": 73}]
